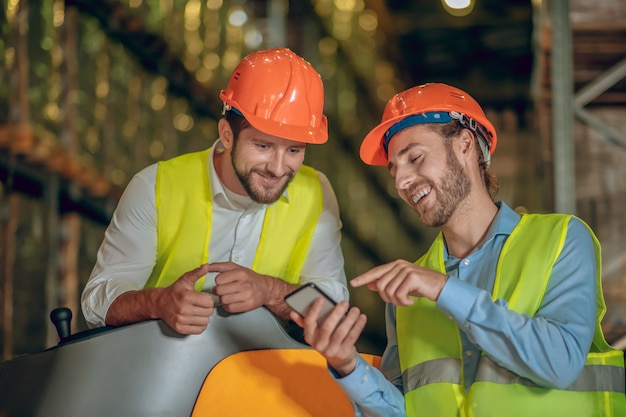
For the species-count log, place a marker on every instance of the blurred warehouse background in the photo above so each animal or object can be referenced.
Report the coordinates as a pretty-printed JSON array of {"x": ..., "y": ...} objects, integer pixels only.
[{"x": 93, "y": 91}]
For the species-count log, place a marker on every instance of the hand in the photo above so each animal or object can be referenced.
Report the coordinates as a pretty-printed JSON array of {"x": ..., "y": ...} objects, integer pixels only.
[
  {"x": 184, "y": 309},
  {"x": 241, "y": 289},
  {"x": 398, "y": 280},
  {"x": 335, "y": 339}
]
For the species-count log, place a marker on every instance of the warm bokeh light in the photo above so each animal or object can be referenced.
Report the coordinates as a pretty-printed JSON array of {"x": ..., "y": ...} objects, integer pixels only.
[
  {"x": 458, "y": 4},
  {"x": 458, "y": 8}
]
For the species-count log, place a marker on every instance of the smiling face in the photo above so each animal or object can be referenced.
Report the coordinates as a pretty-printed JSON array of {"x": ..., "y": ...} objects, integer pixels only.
[
  {"x": 265, "y": 164},
  {"x": 428, "y": 175}
]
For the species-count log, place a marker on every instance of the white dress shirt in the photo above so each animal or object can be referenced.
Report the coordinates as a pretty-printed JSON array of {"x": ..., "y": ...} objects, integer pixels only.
[{"x": 127, "y": 254}]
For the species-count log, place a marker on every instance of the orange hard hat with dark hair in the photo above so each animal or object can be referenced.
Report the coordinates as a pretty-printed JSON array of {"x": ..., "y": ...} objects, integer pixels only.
[
  {"x": 279, "y": 93},
  {"x": 434, "y": 103}
]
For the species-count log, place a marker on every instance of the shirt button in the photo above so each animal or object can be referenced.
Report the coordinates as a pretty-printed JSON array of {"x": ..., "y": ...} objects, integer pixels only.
[
  {"x": 236, "y": 259},
  {"x": 364, "y": 379},
  {"x": 466, "y": 262},
  {"x": 468, "y": 353}
]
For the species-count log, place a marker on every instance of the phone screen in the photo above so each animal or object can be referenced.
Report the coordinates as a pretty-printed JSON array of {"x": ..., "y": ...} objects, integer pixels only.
[{"x": 300, "y": 300}]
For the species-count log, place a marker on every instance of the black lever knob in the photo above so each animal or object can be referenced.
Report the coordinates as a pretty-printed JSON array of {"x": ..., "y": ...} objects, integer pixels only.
[{"x": 62, "y": 317}]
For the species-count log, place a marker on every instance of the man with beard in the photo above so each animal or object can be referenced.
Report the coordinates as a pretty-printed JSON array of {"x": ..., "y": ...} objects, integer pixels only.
[
  {"x": 501, "y": 316},
  {"x": 244, "y": 222}
]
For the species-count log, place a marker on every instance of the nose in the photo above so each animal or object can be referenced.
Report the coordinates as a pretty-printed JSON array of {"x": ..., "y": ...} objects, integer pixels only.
[
  {"x": 277, "y": 164},
  {"x": 404, "y": 178}
]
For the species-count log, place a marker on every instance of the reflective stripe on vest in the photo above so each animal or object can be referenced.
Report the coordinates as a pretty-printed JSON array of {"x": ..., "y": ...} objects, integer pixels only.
[
  {"x": 183, "y": 245},
  {"x": 592, "y": 377},
  {"x": 429, "y": 344},
  {"x": 431, "y": 372}
]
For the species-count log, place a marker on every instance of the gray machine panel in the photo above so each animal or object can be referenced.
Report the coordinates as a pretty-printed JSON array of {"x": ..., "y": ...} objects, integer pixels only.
[{"x": 144, "y": 369}]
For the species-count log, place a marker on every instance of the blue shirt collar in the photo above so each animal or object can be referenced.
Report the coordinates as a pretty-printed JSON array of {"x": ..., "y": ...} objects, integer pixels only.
[{"x": 503, "y": 224}]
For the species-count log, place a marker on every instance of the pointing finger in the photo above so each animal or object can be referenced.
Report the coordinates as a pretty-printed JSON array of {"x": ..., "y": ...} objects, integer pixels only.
[
  {"x": 370, "y": 276},
  {"x": 222, "y": 266}
]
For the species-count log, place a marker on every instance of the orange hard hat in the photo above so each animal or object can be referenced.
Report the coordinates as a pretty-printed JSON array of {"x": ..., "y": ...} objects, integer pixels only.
[
  {"x": 279, "y": 93},
  {"x": 437, "y": 103}
]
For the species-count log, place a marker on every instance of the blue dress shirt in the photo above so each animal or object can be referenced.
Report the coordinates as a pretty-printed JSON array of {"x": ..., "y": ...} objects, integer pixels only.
[{"x": 549, "y": 348}]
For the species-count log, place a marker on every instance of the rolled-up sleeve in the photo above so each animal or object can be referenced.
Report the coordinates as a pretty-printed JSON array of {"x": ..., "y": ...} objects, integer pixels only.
[{"x": 126, "y": 256}]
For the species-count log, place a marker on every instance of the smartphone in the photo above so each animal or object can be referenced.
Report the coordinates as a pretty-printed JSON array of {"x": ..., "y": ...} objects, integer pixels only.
[{"x": 300, "y": 300}]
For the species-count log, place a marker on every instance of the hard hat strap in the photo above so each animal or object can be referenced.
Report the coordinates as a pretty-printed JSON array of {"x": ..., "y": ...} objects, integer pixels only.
[
  {"x": 228, "y": 107},
  {"x": 481, "y": 133}
]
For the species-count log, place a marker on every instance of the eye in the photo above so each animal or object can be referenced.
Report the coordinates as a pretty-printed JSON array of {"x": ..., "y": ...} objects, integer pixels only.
[
  {"x": 262, "y": 146},
  {"x": 415, "y": 158},
  {"x": 295, "y": 151}
]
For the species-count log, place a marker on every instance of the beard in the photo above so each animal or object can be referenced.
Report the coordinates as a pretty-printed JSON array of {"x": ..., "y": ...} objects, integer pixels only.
[
  {"x": 453, "y": 187},
  {"x": 260, "y": 193}
]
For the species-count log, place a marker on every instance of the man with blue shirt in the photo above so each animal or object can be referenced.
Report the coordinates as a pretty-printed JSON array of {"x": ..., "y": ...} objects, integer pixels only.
[{"x": 501, "y": 316}]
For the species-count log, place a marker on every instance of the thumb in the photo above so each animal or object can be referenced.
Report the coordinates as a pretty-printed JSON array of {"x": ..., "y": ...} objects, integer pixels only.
[{"x": 188, "y": 279}]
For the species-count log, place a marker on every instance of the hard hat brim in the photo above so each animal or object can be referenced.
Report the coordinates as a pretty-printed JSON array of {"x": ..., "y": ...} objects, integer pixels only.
[{"x": 372, "y": 151}]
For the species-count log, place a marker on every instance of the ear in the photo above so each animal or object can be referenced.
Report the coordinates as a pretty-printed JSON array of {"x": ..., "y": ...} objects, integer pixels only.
[
  {"x": 466, "y": 144},
  {"x": 226, "y": 133}
]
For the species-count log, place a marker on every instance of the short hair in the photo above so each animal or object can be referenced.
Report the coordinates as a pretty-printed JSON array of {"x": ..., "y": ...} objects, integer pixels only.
[{"x": 237, "y": 123}]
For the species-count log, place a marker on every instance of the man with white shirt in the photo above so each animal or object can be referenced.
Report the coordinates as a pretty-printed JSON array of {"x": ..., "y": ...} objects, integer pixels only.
[
  {"x": 501, "y": 316},
  {"x": 244, "y": 222}
]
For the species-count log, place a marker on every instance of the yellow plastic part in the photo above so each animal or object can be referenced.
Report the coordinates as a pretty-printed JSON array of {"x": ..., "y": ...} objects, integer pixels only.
[{"x": 273, "y": 382}]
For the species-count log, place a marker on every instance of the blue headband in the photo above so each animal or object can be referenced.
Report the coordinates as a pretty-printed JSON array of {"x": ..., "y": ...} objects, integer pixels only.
[
  {"x": 483, "y": 135},
  {"x": 415, "y": 119}
]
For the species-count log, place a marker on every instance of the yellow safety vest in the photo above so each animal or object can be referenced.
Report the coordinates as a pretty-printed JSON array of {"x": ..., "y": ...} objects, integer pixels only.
[
  {"x": 184, "y": 211},
  {"x": 429, "y": 343}
]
